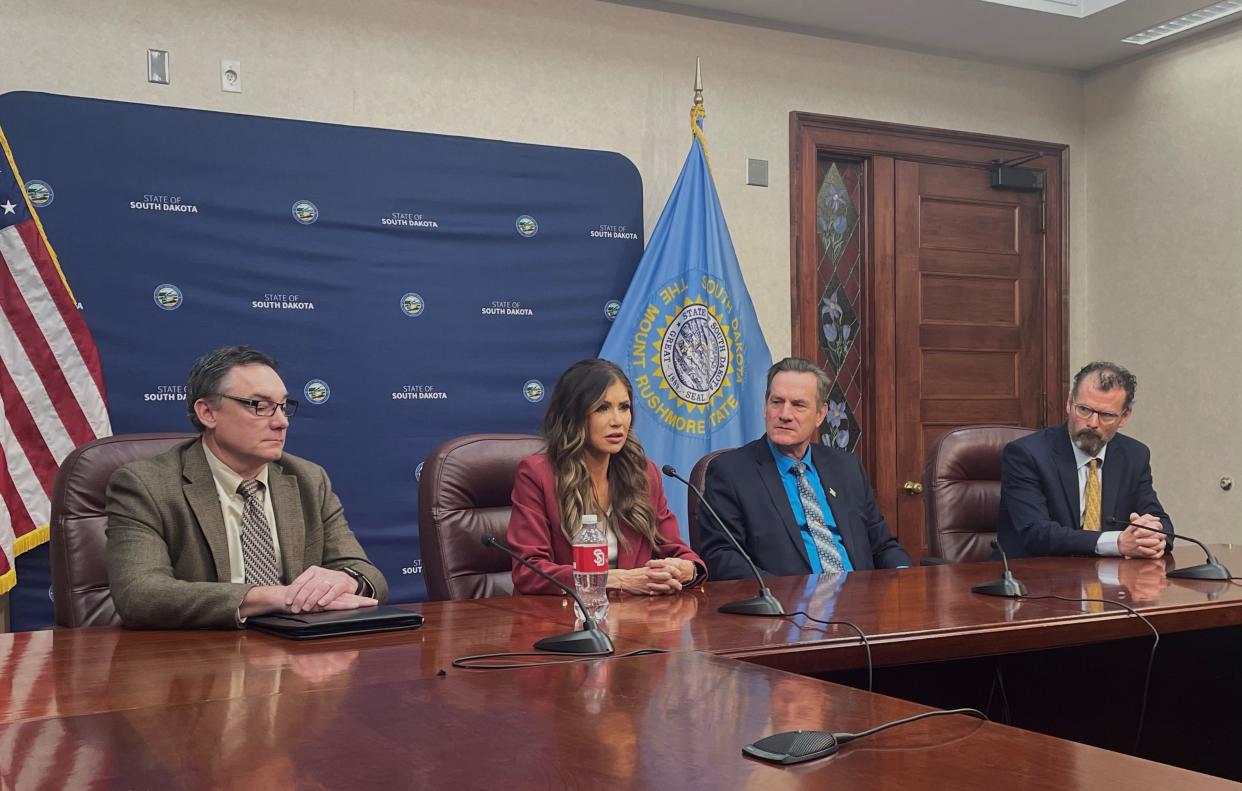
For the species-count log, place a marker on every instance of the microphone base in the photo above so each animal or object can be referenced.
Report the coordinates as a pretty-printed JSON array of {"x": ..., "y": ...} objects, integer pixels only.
[
  {"x": 763, "y": 604},
  {"x": 582, "y": 641},
  {"x": 1204, "y": 571},
  {"x": 1010, "y": 588}
]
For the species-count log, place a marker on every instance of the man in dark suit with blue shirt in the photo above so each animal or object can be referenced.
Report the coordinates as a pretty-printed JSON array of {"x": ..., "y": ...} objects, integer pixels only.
[
  {"x": 1061, "y": 486},
  {"x": 796, "y": 507}
]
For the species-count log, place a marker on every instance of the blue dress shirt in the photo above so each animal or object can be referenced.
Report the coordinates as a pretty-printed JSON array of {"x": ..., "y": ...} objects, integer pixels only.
[{"x": 784, "y": 465}]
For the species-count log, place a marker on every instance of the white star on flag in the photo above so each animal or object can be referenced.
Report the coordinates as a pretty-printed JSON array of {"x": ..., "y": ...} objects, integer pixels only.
[{"x": 9, "y": 207}]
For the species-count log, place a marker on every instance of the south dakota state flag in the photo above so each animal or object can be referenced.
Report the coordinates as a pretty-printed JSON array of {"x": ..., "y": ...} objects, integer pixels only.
[{"x": 687, "y": 334}]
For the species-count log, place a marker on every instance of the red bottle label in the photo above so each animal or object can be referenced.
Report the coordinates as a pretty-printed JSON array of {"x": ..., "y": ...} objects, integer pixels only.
[{"x": 590, "y": 559}]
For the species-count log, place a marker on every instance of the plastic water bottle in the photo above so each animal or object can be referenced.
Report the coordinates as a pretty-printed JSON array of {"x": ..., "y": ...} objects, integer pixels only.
[{"x": 591, "y": 568}]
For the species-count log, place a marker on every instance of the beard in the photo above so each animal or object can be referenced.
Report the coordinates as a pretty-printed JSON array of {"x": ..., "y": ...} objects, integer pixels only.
[{"x": 1088, "y": 441}]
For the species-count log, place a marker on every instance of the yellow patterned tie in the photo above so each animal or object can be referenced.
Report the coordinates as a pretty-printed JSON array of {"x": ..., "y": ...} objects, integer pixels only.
[{"x": 1091, "y": 514}]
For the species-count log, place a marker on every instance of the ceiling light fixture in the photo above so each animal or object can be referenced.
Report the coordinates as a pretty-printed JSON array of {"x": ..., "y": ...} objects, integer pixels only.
[{"x": 1182, "y": 23}]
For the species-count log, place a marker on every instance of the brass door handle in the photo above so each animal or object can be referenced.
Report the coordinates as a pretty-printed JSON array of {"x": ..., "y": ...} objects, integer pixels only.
[{"x": 912, "y": 488}]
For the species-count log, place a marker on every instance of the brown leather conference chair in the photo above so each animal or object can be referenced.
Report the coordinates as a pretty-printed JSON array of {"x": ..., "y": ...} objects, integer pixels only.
[
  {"x": 961, "y": 491},
  {"x": 80, "y": 592},
  {"x": 465, "y": 492},
  {"x": 698, "y": 476}
]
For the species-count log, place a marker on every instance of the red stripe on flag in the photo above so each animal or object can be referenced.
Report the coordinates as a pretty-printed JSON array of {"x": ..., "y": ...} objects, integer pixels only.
[
  {"x": 29, "y": 439},
  {"x": 20, "y": 518},
  {"x": 44, "y": 362},
  {"x": 69, "y": 312}
]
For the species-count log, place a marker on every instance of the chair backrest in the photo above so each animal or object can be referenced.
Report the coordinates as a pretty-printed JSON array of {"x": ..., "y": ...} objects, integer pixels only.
[
  {"x": 80, "y": 593},
  {"x": 961, "y": 490},
  {"x": 698, "y": 476},
  {"x": 464, "y": 492}
]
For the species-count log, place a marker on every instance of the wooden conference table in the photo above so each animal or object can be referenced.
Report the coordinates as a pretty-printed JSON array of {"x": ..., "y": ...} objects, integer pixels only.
[{"x": 107, "y": 707}]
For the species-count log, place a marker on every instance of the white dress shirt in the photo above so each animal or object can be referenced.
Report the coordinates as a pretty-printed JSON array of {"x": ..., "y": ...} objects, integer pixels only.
[
  {"x": 1107, "y": 542},
  {"x": 231, "y": 505}
]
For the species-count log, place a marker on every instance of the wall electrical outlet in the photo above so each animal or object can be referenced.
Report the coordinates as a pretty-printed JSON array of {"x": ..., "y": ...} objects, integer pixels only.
[
  {"x": 230, "y": 76},
  {"x": 157, "y": 66}
]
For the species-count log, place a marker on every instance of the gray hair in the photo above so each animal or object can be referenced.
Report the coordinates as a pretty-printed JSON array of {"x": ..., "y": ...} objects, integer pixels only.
[
  {"x": 799, "y": 365},
  {"x": 208, "y": 372},
  {"x": 1108, "y": 376}
]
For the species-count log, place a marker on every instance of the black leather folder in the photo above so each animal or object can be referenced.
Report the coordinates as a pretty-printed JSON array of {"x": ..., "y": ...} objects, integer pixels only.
[{"x": 313, "y": 625}]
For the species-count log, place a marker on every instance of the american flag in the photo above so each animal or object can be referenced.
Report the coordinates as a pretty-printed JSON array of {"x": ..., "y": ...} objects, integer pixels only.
[{"x": 51, "y": 384}]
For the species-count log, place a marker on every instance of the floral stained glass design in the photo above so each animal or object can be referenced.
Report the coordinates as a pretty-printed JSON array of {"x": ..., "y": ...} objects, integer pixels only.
[{"x": 839, "y": 231}]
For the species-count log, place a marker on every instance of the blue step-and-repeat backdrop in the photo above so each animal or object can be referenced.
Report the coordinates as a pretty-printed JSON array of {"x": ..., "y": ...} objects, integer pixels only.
[{"x": 414, "y": 287}]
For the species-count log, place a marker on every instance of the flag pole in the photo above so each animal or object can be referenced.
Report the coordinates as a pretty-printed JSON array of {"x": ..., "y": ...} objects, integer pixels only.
[{"x": 698, "y": 112}]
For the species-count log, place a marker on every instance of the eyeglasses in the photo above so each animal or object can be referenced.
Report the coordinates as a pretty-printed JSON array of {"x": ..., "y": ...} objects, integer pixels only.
[
  {"x": 264, "y": 408},
  {"x": 1085, "y": 412}
]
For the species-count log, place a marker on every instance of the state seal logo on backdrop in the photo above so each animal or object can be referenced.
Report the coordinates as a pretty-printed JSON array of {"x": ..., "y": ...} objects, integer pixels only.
[
  {"x": 167, "y": 296},
  {"x": 412, "y": 304},
  {"x": 686, "y": 355},
  {"x": 305, "y": 212},
  {"x": 611, "y": 308},
  {"x": 317, "y": 391},
  {"x": 40, "y": 193},
  {"x": 533, "y": 390},
  {"x": 527, "y": 226}
]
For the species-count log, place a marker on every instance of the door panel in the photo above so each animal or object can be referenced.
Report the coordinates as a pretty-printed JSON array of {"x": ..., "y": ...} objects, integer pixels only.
[
  {"x": 958, "y": 302},
  {"x": 969, "y": 326}
]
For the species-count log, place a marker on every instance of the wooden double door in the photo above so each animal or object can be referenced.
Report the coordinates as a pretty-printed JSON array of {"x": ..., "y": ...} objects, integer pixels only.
[{"x": 932, "y": 299}]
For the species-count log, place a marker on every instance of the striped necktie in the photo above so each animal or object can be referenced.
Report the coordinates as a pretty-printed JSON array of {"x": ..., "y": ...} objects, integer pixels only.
[
  {"x": 258, "y": 552},
  {"x": 825, "y": 544}
]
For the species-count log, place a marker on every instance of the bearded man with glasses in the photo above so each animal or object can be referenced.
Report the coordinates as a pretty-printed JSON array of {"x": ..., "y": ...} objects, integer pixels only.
[
  {"x": 228, "y": 525},
  {"x": 1081, "y": 488}
]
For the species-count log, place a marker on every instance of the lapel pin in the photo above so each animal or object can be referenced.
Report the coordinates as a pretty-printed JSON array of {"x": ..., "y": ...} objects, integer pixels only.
[{"x": 832, "y": 491}]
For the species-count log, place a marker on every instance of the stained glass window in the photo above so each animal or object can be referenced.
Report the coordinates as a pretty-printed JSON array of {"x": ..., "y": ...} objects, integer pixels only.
[{"x": 838, "y": 282}]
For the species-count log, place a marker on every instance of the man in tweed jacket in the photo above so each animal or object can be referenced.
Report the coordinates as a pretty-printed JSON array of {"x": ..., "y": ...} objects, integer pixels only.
[{"x": 194, "y": 542}]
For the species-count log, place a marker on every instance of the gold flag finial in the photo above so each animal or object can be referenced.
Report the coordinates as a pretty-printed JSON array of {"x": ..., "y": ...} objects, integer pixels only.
[
  {"x": 698, "y": 83},
  {"x": 698, "y": 112}
]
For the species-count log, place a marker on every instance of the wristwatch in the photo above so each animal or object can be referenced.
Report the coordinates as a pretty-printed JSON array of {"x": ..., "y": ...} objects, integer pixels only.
[{"x": 361, "y": 580}]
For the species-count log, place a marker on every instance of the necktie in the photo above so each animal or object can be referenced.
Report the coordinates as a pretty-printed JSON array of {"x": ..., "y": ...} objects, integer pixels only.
[
  {"x": 258, "y": 554},
  {"x": 825, "y": 545},
  {"x": 1091, "y": 514}
]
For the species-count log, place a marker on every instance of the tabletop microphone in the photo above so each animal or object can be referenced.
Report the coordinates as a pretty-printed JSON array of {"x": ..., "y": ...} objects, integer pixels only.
[
  {"x": 1211, "y": 570},
  {"x": 587, "y": 640},
  {"x": 763, "y": 604},
  {"x": 1005, "y": 586}
]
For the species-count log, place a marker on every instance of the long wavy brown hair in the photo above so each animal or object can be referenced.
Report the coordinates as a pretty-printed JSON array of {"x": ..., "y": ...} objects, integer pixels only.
[{"x": 565, "y": 427}]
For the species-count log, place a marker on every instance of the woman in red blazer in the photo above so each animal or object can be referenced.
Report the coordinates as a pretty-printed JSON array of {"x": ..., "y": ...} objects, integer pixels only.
[{"x": 593, "y": 464}]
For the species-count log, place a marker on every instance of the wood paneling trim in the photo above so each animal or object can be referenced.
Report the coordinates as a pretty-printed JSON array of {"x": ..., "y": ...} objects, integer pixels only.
[{"x": 877, "y": 371}]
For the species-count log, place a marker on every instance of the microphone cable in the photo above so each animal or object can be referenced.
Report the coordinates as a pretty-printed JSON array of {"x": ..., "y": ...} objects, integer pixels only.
[
  {"x": 846, "y": 738},
  {"x": 1151, "y": 657},
  {"x": 488, "y": 661},
  {"x": 861, "y": 636}
]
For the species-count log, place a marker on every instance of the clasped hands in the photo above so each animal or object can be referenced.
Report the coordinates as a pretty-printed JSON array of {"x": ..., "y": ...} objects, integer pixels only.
[
  {"x": 658, "y": 577},
  {"x": 1139, "y": 542},
  {"x": 315, "y": 590}
]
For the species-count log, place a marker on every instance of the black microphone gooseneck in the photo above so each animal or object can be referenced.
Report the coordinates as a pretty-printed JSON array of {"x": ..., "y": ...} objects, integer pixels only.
[
  {"x": 763, "y": 604},
  {"x": 587, "y": 640},
  {"x": 1211, "y": 570},
  {"x": 1005, "y": 586}
]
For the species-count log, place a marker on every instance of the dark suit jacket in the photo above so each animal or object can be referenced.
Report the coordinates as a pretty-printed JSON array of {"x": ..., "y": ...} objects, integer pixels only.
[
  {"x": 1039, "y": 509},
  {"x": 745, "y": 488},
  {"x": 168, "y": 557},
  {"x": 535, "y": 530}
]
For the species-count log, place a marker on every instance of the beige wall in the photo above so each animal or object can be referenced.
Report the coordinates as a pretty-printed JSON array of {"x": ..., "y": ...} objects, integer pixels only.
[
  {"x": 1154, "y": 274},
  {"x": 560, "y": 72},
  {"x": 1164, "y": 297}
]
